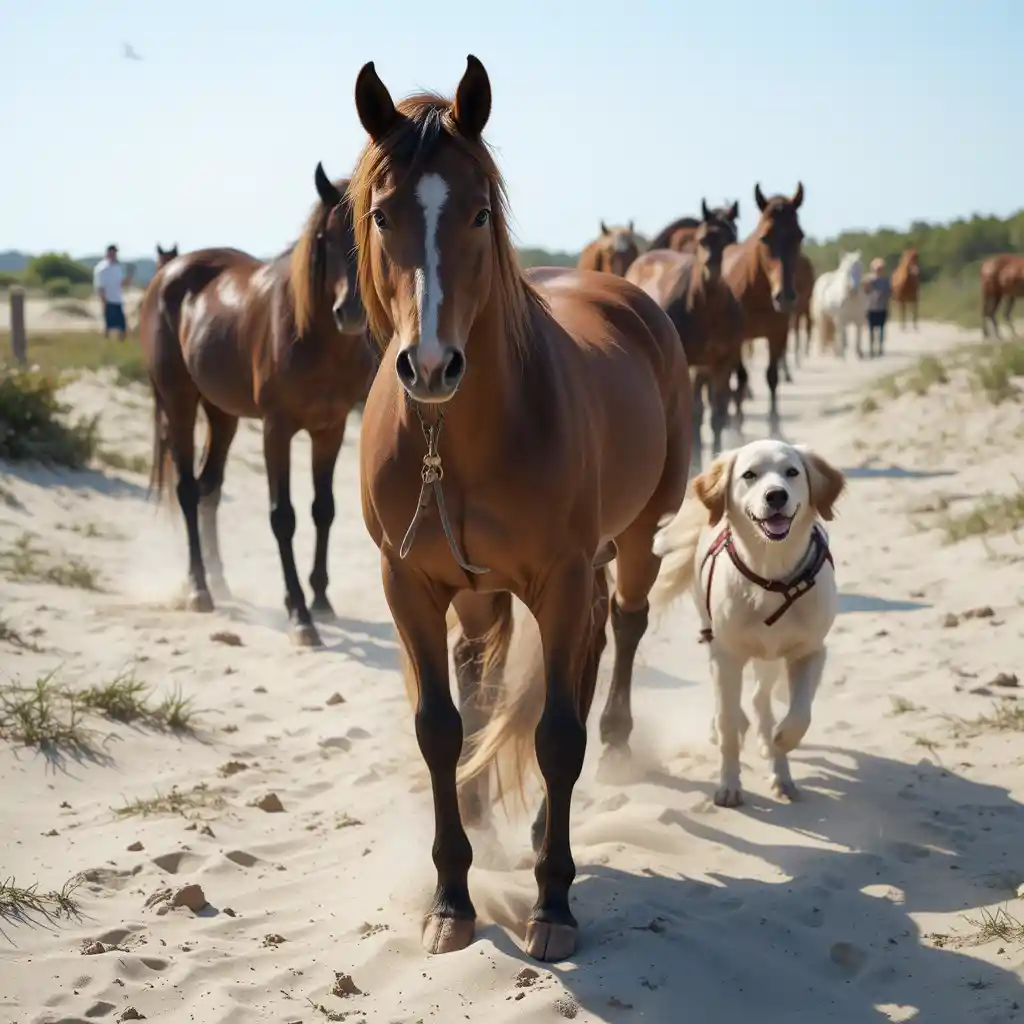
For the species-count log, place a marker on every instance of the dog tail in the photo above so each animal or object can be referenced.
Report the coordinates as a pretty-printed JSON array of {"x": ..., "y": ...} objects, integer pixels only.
[{"x": 675, "y": 544}]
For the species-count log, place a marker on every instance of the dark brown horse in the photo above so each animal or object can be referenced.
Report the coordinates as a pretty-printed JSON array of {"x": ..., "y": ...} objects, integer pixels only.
[
  {"x": 1002, "y": 280},
  {"x": 681, "y": 234},
  {"x": 689, "y": 287},
  {"x": 165, "y": 255},
  {"x": 284, "y": 342},
  {"x": 803, "y": 281},
  {"x": 906, "y": 285},
  {"x": 761, "y": 270},
  {"x": 564, "y": 399},
  {"x": 612, "y": 252}
]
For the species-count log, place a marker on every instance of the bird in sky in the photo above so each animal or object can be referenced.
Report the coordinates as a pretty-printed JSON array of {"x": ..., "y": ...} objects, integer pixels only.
[{"x": 128, "y": 51}]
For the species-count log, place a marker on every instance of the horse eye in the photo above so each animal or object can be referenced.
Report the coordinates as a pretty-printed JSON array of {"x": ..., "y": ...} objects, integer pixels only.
[
  {"x": 379, "y": 219},
  {"x": 792, "y": 471},
  {"x": 482, "y": 218},
  {"x": 749, "y": 475}
]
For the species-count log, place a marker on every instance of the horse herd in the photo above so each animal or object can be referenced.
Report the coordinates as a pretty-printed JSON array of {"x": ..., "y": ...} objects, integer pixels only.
[{"x": 525, "y": 429}]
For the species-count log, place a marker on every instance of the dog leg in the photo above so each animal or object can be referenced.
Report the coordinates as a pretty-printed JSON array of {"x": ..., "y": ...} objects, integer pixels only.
[
  {"x": 769, "y": 676},
  {"x": 727, "y": 675}
]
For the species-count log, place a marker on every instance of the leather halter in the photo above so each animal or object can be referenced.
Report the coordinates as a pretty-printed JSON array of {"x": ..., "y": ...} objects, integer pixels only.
[{"x": 792, "y": 590}]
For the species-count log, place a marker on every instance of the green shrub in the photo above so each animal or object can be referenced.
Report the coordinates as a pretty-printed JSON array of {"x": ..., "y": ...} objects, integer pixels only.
[
  {"x": 34, "y": 426},
  {"x": 53, "y": 265},
  {"x": 58, "y": 288}
]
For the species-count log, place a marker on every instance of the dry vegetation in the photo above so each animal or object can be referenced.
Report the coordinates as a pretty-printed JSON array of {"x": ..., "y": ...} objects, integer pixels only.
[{"x": 25, "y": 563}]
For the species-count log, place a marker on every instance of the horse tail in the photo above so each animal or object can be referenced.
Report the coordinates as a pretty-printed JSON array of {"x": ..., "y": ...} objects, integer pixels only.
[{"x": 161, "y": 470}]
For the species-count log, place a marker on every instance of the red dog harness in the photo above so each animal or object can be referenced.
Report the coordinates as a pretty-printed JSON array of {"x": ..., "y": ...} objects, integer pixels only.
[{"x": 792, "y": 590}]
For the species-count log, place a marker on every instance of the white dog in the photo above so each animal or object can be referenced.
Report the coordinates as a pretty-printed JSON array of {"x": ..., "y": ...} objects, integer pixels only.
[{"x": 750, "y": 546}]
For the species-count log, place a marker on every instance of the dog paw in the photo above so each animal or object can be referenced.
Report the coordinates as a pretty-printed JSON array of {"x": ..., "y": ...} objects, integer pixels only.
[
  {"x": 785, "y": 789},
  {"x": 790, "y": 732}
]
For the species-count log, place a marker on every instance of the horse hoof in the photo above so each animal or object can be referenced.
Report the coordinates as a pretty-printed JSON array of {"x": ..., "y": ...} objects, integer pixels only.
[
  {"x": 199, "y": 601},
  {"x": 447, "y": 934},
  {"x": 305, "y": 635},
  {"x": 550, "y": 942},
  {"x": 321, "y": 610}
]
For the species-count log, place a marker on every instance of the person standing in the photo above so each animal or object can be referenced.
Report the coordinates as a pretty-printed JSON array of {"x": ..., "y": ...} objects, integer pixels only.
[
  {"x": 878, "y": 286},
  {"x": 110, "y": 278}
]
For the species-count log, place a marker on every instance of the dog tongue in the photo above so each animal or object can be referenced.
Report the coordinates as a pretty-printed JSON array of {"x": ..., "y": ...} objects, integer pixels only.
[{"x": 777, "y": 526}]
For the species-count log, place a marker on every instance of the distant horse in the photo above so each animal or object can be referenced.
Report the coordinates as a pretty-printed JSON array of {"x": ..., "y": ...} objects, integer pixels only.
[
  {"x": 906, "y": 284},
  {"x": 803, "y": 279},
  {"x": 164, "y": 256},
  {"x": 761, "y": 271},
  {"x": 838, "y": 300},
  {"x": 689, "y": 287},
  {"x": 681, "y": 234},
  {"x": 1002, "y": 278},
  {"x": 612, "y": 252},
  {"x": 565, "y": 401},
  {"x": 284, "y": 342}
]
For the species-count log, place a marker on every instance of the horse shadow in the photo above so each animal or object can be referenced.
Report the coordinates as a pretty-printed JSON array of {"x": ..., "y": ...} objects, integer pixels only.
[
  {"x": 894, "y": 473},
  {"x": 41, "y": 475},
  {"x": 828, "y": 935}
]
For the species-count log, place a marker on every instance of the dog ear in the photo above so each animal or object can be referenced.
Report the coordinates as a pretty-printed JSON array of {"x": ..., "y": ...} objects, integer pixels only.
[
  {"x": 826, "y": 482},
  {"x": 712, "y": 486}
]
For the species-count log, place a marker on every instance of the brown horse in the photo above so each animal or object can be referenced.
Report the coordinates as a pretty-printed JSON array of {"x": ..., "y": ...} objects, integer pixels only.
[
  {"x": 681, "y": 234},
  {"x": 612, "y": 252},
  {"x": 565, "y": 401},
  {"x": 165, "y": 255},
  {"x": 284, "y": 342},
  {"x": 761, "y": 271},
  {"x": 906, "y": 284},
  {"x": 689, "y": 287},
  {"x": 1002, "y": 278},
  {"x": 803, "y": 281}
]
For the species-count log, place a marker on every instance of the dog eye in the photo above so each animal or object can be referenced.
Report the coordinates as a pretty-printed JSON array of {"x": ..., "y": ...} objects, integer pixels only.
[
  {"x": 792, "y": 471},
  {"x": 749, "y": 475}
]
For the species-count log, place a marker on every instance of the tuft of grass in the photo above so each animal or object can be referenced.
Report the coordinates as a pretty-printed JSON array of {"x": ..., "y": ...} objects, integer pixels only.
[
  {"x": 9, "y": 635},
  {"x": 19, "y": 900},
  {"x": 174, "y": 802},
  {"x": 1000, "y": 925},
  {"x": 118, "y": 460},
  {"x": 24, "y": 563},
  {"x": 996, "y": 368},
  {"x": 902, "y": 706},
  {"x": 994, "y": 514},
  {"x": 34, "y": 424},
  {"x": 56, "y": 352},
  {"x": 1007, "y": 715},
  {"x": 41, "y": 715},
  {"x": 928, "y": 372}
]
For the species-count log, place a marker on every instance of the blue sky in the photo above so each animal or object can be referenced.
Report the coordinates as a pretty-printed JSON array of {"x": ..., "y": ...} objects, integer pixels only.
[{"x": 889, "y": 112}]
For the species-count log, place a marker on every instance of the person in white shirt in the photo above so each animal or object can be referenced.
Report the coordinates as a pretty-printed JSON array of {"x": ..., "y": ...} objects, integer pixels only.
[{"x": 110, "y": 278}]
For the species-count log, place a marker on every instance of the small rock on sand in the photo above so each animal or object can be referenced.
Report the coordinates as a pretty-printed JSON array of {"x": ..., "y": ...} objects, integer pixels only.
[
  {"x": 335, "y": 698},
  {"x": 273, "y": 940},
  {"x": 526, "y": 977},
  {"x": 223, "y": 636},
  {"x": 191, "y": 896},
  {"x": 135, "y": 847},
  {"x": 344, "y": 986},
  {"x": 130, "y": 1013},
  {"x": 271, "y": 803},
  {"x": 232, "y": 768}
]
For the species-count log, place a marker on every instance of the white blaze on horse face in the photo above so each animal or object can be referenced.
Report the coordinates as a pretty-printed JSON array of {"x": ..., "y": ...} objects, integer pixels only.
[{"x": 431, "y": 191}]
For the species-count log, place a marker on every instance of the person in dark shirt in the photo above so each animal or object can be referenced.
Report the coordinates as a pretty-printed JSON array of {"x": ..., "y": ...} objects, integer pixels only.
[{"x": 878, "y": 286}]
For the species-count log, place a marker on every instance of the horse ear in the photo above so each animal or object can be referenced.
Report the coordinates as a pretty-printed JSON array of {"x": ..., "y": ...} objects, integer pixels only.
[
  {"x": 604, "y": 228},
  {"x": 734, "y": 210},
  {"x": 705, "y": 213},
  {"x": 798, "y": 195},
  {"x": 631, "y": 228},
  {"x": 472, "y": 107},
  {"x": 374, "y": 105},
  {"x": 759, "y": 198},
  {"x": 325, "y": 189}
]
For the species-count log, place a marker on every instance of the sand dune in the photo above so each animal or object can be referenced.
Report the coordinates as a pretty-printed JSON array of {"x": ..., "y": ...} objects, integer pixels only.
[{"x": 854, "y": 905}]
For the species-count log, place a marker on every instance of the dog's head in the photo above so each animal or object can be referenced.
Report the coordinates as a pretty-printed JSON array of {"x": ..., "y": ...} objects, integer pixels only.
[{"x": 770, "y": 490}]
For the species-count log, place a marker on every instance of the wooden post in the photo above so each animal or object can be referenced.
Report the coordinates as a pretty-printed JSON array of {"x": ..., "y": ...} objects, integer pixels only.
[{"x": 19, "y": 341}]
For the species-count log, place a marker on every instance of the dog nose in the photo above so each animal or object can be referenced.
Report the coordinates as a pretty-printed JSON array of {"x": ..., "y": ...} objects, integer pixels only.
[
  {"x": 430, "y": 376},
  {"x": 776, "y": 499}
]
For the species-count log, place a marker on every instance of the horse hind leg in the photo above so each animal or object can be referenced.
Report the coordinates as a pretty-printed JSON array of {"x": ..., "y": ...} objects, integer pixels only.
[
  {"x": 777, "y": 352},
  {"x": 480, "y": 654},
  {"x": 719, "y": 388},
  {"x": 1008, "y": 314},
  {"x": 326, "y": 444},
  {"x": 697, "y": 422},
  {"x": 221, "y": 429}
]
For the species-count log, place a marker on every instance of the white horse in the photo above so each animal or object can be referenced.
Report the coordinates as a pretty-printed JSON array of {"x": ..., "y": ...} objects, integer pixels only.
[{"x": 837, "y": 300}]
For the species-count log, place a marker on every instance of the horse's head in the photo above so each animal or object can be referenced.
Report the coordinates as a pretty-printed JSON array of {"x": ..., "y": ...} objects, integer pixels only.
[
  {"x": 717, "y": 230},
  {"x": 435, "y": 257},
  {"x": 912, "y": 260},
  {"x": 165, "y": 255},
  {"x": 334, "y": 264},
  {"x": 851, "y": 270},
  {"x": 780, "y": 236},
  {"x": 617, "y": 248}
]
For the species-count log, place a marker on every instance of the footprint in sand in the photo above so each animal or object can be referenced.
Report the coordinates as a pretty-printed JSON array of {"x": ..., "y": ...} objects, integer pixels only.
[
  {"x": 850, "y": 959},
  {"x": 174, "y": 863}
]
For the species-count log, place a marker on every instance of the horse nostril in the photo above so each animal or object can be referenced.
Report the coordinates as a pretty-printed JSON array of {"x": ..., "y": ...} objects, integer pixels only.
[
  {"x": 454, "y": 368},
  {"x": 406, "y": 368},
  {"x": 776, "y": 498}
]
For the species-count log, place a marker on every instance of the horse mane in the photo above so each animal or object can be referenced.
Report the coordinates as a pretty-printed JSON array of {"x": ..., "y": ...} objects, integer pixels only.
[
  {"x": 664, "y": 236},
  {"x": 426, "y": 122},
  {"x": 302, "y": 263}
]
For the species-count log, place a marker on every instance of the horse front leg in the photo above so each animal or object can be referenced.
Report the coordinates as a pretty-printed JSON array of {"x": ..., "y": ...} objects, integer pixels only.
[
  {"x": 719, "y": 388},
  {"x": 277, "y": 453},
  {"x": 324, "y": 456},
  {"x": 562, "y": 608},
  {"x": 418, "y": 607},
  {"x": 772, "y": 377},
  {"x": 697, "y": 421}
]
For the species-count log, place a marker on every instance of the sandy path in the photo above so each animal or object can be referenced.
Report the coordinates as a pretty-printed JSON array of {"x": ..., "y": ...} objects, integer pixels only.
[{"x": 820, "y": 911}]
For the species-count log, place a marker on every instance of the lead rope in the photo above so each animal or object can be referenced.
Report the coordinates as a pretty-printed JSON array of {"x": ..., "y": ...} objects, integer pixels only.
[{"x": 432, "y": 473}]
